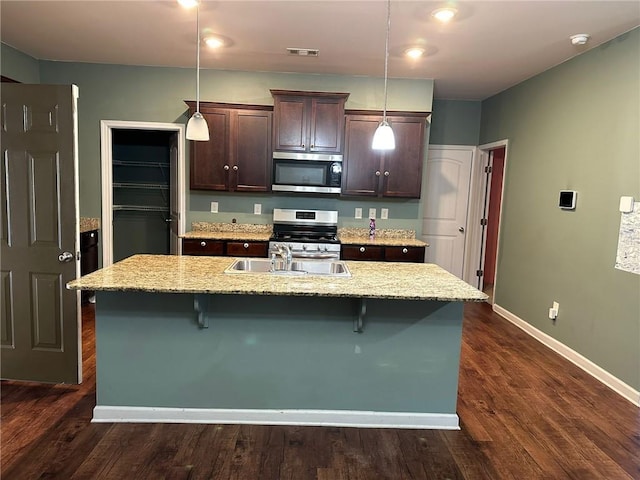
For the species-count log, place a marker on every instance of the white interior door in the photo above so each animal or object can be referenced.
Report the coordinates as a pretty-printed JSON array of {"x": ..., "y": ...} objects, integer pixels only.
[{"x": 444, "y": 222}]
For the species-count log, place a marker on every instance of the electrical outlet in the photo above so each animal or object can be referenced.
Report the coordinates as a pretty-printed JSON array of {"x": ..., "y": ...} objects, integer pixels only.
[
  {"x": 214, "y": 207},
  {"x": 257, "y": 208},
  {"x": 358, "y": 213},
  {"x": 372, "y": 213},
  {"x": 384, "y": 213},
  {"x": 553, "y": 311}
]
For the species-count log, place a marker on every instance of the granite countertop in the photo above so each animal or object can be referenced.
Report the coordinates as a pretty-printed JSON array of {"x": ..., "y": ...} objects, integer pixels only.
[
  {"x": 88, "y": 224},
  {"x": 240, "y": 236},
  {"x": 382, "y": 241},
  {"x": 229, "y": 231},
  {"x": 186, "y": 274}
]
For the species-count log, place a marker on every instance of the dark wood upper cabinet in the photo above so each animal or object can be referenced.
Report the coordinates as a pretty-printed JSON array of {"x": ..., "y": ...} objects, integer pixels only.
[
  {"x": 237, "y": 156},
  {"x": 311, "y": 122},
  {"x": 395, "y": 173}
]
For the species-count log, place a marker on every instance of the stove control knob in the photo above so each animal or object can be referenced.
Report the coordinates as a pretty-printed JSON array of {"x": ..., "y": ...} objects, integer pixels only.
[
  {"x": 318, "y": 247},
  {"x": 326, "y": 249},
  {"x": 304, "y": 247}
]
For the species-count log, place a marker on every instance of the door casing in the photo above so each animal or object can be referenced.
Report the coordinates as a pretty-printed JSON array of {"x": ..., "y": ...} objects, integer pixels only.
[{"x": 106, "y": 158}]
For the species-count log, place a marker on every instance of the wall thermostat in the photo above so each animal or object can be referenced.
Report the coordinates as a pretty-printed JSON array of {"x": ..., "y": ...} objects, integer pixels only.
[{"x": 567, "y": 199}]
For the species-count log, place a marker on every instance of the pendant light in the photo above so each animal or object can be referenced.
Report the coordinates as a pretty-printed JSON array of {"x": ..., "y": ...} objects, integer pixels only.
[
  {"x": 383, "y": 138},
  {"x": 197, "y": 128}
]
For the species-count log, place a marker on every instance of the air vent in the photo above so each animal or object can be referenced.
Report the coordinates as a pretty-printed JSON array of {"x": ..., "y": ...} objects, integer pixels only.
[{"x": 303, "y": 52}]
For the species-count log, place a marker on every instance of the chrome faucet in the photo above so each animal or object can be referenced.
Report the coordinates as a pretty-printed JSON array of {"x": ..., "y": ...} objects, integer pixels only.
[{"x": 284, "y": 251}]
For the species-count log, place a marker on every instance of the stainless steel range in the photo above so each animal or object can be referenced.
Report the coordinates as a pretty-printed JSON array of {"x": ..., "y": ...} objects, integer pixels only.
[{"x": 307, "y": 233}]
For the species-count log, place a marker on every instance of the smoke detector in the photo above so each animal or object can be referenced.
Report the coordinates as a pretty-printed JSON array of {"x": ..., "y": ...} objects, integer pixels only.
[
  {"x": 303, "y": 52},
  {"x": 579, "y": 38}
]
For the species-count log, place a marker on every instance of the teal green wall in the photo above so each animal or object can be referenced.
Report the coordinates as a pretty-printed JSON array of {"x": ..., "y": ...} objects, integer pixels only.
[
  {"x": 573, "y": 127},
  {"x": 18, "y": 66},
  {"x": 115, "y": 92},
  {"x": 455, "y": 122}
]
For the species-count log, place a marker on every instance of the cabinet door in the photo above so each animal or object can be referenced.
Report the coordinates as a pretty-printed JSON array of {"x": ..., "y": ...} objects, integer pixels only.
[
  {"x": 402, "y": 167},
  {"x": 196, "y": 246},
  {"x": 404, "y": 254},
  {"x": 209, "y": 158},
  {"x": 251, "y": 151},
  {"x": 247, "y": 249},
  {"x": 290, "y": 126},
  {"x": 326, "y": 125},
  {"x": 361, "y": 252},
  {"x": 361, "y": 170}
]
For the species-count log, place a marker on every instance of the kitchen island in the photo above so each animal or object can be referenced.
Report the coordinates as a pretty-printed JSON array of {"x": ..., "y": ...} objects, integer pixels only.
[{"x": 179, "y": 340}]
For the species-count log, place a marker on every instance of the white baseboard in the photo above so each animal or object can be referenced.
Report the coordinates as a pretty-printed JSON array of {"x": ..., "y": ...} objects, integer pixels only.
[
  {"x": 336, "y": 418},
  {"x": 574, "y": 357}
]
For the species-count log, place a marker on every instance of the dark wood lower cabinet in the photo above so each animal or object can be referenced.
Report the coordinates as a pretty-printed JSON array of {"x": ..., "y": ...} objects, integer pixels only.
[
  {"x": 196, "y": 246},
  {"x": 387, "y": 253},
  {"x": 199, "y": 246},
  {"x": 247, "y": 249}
]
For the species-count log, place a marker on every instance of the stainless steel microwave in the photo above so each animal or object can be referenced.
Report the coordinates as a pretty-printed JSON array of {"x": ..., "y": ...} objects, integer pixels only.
[{"x": 306, "y": 172}]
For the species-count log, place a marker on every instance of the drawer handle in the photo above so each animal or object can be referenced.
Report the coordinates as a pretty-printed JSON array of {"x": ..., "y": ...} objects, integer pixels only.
[
  {"x": 226, "y": 167},
  {"x": 235, "y": 168},
  {"x": 362, "y": 249},
  {"x": 404, "y": 250},
  {"x": 386, "y": 174},
  {"x": 203, "y": 244},
  {"x": 377, "y": 173},
  {"x": 246, "y": 245}
]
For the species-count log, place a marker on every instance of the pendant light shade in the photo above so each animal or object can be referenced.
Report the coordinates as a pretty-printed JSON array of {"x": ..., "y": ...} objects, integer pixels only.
[
  {"x": 383, "y": 138},
  {"x": 197, "y": 128}
]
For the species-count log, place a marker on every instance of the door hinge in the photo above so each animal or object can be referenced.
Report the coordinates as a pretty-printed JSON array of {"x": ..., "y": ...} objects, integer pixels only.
[
  {"x": 488, "y": 169},
  {"x": 484, "y": 222},
  {"x": 479, "y": 273}
]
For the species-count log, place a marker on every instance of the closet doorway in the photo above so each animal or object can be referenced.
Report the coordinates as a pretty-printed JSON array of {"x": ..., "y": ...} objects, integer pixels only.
[{"x": 143, "y": 188}]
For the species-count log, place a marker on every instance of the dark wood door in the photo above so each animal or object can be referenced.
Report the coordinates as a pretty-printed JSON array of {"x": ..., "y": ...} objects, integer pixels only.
[
  {"x": 290, "y": 129},
  {"x": 251, "y": 151},
  {"x": 40, "y": 237},
  {"x": 402, "y": 167},
  {"x": 362, "y": 165},
  {"x": 210, "y": 168},
  {"x": 326, "y": 125}
]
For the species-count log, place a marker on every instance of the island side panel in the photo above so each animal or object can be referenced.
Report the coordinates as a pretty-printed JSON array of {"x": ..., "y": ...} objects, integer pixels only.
[{"x": 275, "y": 352}]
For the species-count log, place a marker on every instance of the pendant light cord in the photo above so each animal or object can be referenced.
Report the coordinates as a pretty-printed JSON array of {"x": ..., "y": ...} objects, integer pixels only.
[
  {"x": 386, "y": 60},
  {"x": 198, "y": 58}
]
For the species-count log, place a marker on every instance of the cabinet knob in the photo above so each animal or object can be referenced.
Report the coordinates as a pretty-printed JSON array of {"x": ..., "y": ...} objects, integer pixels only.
[
  {"x": 203, "y": 244},
  {"x": 377, "y": 173},
  {"x": 386, "y": 174},
  {"x": 226, "y": 167},
  {"x": 246, "y": 245},
  {"x": 235, "y": 168},
  {"x": 404, "y": 250},
  {"x": 362, "y": 249}
]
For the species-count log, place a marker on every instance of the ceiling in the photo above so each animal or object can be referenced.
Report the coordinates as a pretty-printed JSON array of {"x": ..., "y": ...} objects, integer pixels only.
[{"x": 489, "y": 47}]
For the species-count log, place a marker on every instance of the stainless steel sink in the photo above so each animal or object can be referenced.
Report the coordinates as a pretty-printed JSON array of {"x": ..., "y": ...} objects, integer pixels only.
[{"x": 334, "y": 268}]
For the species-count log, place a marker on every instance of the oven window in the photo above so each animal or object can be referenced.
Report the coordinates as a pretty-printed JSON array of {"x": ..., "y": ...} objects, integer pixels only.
[{"x": 299, "y": 173}]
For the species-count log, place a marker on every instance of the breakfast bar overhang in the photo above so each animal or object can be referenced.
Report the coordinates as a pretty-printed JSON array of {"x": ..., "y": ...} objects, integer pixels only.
[{"x": 178, "y": 340}]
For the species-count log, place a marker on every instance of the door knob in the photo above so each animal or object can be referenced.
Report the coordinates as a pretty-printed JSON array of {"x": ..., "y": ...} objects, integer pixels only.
[
  {"x": 65, "y": 257},
  {"x": 461, "y": 229}
]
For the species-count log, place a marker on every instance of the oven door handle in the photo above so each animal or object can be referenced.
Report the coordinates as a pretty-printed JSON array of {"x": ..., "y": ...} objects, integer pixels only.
[{"x": 314, "y": 255}]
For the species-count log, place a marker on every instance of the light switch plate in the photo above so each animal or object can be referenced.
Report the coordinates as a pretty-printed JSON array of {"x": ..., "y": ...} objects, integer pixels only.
[
  {"x": 372, "y": 213},
  {"x": 358, "y": 213},
  {"x": 214, "y": 207},
  {"x": 257, "y": 208},
  {"x": 384, "y": 213}
]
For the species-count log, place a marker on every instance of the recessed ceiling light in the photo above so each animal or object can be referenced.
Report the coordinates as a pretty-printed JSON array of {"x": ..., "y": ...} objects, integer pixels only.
[
  {"x": 444, "y": 14},
  {"x": 579, "y": 38},
  {"x": 188, "y": 3},
  {"x": 213, "y": 42},
  {"x": 414, "y": 52}
]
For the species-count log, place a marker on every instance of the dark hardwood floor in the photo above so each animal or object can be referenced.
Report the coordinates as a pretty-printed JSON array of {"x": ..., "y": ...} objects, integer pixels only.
[{"x": 525, "y": 413}]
